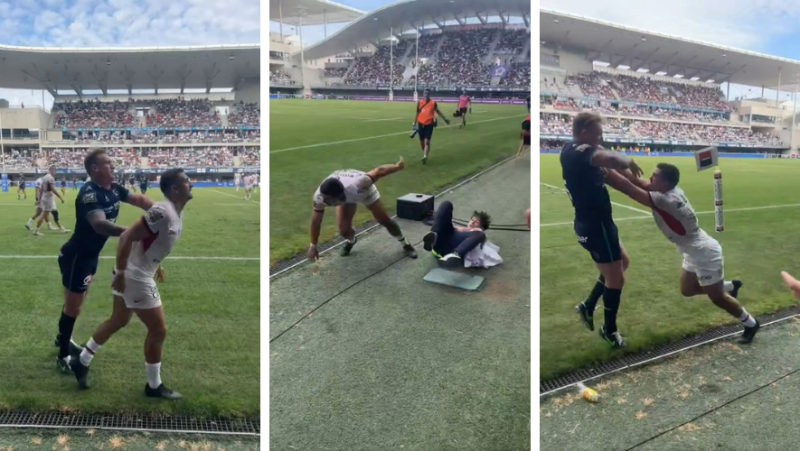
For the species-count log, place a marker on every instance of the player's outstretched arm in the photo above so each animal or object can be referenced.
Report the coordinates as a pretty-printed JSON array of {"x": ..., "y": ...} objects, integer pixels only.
[
  {"x": 314, "y": 230},
  {"x": 641, "y": 183},
  {"x": 615, "y": 180},
  {"x": 387, "y": 169},
  {"x": 97, "y": 219},
  {"x": 138, "y": 200},
  {"x": 615, "y": 160},
  {"x": 436, "y": 108}
]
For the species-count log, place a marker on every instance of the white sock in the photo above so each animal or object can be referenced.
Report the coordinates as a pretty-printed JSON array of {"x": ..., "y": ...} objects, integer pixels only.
[
  {"x": 153, "y": 374},
  {"x": 746, "y": 319},
  {"x": 403, "y": 240},
  {"x": 728, "y": 286},
  {"x": 30, "y": 221},
  {"x": 89, "y": 351}
]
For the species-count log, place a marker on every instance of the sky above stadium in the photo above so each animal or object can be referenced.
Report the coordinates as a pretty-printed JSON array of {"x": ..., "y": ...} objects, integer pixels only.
[
  {"x": 124, "y": 23},
  {"x": 765, "y": 26}
]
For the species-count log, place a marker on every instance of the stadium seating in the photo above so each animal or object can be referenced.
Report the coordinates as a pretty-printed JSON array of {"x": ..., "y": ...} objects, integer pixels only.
[
  {"x": 337, "y": 72},
  {"x": 130, "y": 158},
  {"x": 376, "y": 69},
  {"x": 642, "y": 89},
  {"x": 280, "y": 77},
  {"x": 560, "y": 124},
  {"x": 90, "y": 114},
  {"x": 244, "y": 114}
]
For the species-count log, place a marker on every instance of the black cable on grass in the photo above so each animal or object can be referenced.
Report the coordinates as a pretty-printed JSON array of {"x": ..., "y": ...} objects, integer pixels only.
[
  {"x": 339, "y": 293},
  {"x": 713, "y": 410}
]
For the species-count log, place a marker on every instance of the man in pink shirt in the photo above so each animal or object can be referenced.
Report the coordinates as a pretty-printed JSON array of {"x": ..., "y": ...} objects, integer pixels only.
[{"x": 464, "y": 102}]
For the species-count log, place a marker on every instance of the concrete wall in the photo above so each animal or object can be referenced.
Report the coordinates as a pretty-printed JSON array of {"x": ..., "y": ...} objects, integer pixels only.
[
  {"x": 24, "y": 118},
  {"x": 573, "y": 61},
  {"x": 249, "y": 91}
]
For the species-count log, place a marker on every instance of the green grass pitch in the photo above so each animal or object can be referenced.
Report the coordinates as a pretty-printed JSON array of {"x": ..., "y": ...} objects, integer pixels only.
[
  {"x": 211, "y": 354},
  {"x": 309, "y": 139}
]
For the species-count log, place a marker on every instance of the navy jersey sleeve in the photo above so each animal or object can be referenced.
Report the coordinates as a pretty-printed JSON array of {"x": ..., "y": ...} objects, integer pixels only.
[
  {"x": 87, "y": 203},
  {"x": 122, "y": 192},
  {"x": 585, "y": 152}
]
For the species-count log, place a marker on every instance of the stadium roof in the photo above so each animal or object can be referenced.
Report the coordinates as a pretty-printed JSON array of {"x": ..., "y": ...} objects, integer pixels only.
[
  {"x": 636, "y": 48},
  {"x": 106, "y": 69},
  {"x": 411, "y": 14},
  {"x": 313, "y": 12}
]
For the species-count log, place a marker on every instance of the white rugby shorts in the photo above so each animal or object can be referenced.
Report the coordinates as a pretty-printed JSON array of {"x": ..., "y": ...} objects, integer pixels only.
[
  {"x": 706, "y": 262},
  {"x": 48, "y": 205},
  {"x": 140, "y": 294}
]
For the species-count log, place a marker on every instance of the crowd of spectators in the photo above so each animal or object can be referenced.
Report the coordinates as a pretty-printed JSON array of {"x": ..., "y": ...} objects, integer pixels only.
[
  {"x": 131, "y": 158},
  {"x": 279, "y": 77},
  {"x": 512, "y": 41},
  {"x": 645, "y": 89},
  {"x": 519, "y": 75},
  {"x": 376, "y": 69},
  {"x": 561, "y": 124},
  {"x": 183, "y": 113},
  {"x": 606, "y": 108},
  {"x": 251, "y": 156},
  {"x": 336, "y": 72},
  {"x": 244, "y": 114},
  {"x": 185, "y": 137},
  {"x": 93, "y": 114},
  {"x": 459, "y": 59},
  {"x": 427, "y": 45}
]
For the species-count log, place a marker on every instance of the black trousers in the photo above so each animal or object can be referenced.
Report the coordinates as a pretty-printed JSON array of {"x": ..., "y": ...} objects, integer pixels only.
[{"x": 448, "y": 239}]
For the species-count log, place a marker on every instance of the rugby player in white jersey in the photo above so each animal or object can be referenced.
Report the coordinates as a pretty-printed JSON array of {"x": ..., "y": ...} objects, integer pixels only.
[
  {"x": 47, "y": 203},
  {"x": 248, "y": 185},
  {"x": 237, "y": 180},
  {"x": 38, "y": 212},
  {"x": 703, "y": 271},
  {"x": 37, "y": 197},
  {"x": 141, "y": 249},
  {"x": 345, "y": 190},
  {"x": 255, "y": 183}
]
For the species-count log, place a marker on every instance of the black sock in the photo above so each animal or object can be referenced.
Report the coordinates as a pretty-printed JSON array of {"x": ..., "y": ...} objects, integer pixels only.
[
  {"x": 591, "y": 302},
  {"x": 65, "y": 326},
  {"x": 611, "y": 300}
]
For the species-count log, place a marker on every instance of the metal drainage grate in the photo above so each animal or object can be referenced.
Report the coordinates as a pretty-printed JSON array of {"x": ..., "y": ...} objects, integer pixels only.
[
  {"x": 659, "y": 352},
  {"x": 284, "y": 265},
  {"x": 141, "y": 423}
]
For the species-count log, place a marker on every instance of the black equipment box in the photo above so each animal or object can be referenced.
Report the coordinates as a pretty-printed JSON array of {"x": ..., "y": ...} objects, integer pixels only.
[{"x": 415, "y": 207}]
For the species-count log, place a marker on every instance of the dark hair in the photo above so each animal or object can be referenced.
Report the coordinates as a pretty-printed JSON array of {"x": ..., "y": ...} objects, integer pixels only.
[
  {"x": 91, "y": 159},
  {"x": 169, "y": 179},
  {"x": 484, "y": 217},
  {"x": 669, "y": 173},
  {"x": 332, "y": 187},
  {"x": 583, "y": 121}
]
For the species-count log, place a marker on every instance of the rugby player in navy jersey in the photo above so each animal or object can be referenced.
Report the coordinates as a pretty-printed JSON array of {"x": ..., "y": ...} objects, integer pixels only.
[
  {"x": 96, "y": 209},
  {"x": 584, "y": 164}
]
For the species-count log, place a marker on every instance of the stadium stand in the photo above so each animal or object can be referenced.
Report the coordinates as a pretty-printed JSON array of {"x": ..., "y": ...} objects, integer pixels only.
[{"x": 559, "y": 124}]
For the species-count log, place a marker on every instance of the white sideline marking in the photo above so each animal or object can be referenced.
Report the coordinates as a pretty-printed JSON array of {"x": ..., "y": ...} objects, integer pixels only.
[
  {"x": 612, "y": 203},
  {"x": 231, "y": 195},
  {"x": 171, "y": 257},
  {"x": 381, "y": 136},
  {"x": 389, "y": 119},
  {"x": 725, "y": 210}
]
